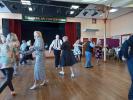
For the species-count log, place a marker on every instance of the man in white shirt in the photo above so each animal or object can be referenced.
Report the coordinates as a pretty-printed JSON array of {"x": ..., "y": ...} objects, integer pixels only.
[{"x": 56, "y": 45}]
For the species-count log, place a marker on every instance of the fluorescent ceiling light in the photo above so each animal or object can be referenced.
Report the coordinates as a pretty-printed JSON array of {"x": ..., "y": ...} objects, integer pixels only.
[
  {"x": 74, "y": 7},
  {"x": 113, "y": 10},
  {"x": 25, "y": 2},
  {"x": 30, "y": 9},
  {"x": 71, "y": 12}
]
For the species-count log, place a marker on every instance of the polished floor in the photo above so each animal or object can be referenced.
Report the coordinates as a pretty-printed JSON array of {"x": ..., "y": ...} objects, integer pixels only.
[{"x": 109, "y": 81}]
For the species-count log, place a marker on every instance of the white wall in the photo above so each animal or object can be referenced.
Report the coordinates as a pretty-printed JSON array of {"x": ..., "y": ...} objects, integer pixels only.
[
  {"x": 122, "y": 25},
  {"x": 9, "y": 16},
  {"x": 87, "y": 23}
]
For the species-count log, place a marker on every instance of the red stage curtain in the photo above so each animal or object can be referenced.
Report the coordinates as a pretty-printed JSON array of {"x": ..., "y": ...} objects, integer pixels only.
[
  {"x": 71, "y": 32},
  {"x": 15, "y": 27}
]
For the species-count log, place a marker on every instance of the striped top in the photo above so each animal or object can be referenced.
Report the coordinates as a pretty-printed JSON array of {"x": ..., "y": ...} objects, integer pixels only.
[{"x": 56, "y": 44}]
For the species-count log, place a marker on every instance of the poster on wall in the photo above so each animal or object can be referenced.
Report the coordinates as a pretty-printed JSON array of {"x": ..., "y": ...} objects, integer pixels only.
[
  {"x": 117, "y": 37},
  {"x": 125, "y": 37}
]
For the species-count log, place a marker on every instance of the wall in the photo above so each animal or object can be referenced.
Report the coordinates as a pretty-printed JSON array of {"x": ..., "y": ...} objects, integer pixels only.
[
  {"x": 87, "y": 23},
  {"x": 9, "y": 16},
  {"x": 122, "y": 25},
  {"x": 117, "y": 26}
]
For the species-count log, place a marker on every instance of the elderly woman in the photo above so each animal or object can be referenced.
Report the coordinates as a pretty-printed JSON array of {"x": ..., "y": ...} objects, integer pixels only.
[
  {"x": 12, "y": 41},
  {"x": 6, "y": 67},
  {"x": 39, "y": 68},
  {"x": 76, "y": 50},
  {"x": 67, "y": 57},
  {"x": 98, "y": 52}
]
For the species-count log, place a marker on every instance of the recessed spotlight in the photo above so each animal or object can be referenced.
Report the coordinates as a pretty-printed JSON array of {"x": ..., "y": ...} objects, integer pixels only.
[
  {"x": 30, "y": 9},
  {"x": 113, "y": 10},
  {"x": 1, "y": 5},
  {"x": 95, "y": 13},
  {"x": 74, "y": 7},
  {"x": 71, "y": 12},
  {"x": 85, "y": 13}
]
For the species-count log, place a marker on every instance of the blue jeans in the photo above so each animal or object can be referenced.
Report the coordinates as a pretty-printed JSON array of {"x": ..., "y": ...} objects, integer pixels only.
[
  {"x": 130, "y": 68},
  {"x": 88, "y": 56}
]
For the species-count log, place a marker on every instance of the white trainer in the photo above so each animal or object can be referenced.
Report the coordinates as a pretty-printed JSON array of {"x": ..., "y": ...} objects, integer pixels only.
[
  {"x": 61, "y": 72},
  {"x": 33, "y": 87},
  {"x": 72, "y": 75}
]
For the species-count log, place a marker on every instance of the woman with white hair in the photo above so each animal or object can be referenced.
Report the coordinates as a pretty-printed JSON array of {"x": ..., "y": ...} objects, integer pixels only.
[
  {"x": 6, "y": 67},
  {"x": 67, "y": 57},
  {"x": 12, "y": 41},
  {"x": 39, "y": 68}
]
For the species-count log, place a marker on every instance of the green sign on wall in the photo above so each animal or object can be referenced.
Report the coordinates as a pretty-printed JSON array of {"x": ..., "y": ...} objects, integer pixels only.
[{"x": 44, "y": 19}]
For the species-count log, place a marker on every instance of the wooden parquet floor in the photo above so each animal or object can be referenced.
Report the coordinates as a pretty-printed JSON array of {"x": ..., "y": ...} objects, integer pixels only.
[{"x": 109, "y": 81}]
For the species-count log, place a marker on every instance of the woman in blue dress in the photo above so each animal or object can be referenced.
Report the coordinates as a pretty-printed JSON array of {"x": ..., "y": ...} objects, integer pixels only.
[{"x": 39, "y": 68}]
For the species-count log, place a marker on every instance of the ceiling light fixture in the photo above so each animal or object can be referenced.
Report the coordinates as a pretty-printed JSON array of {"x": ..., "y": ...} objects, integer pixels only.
[
  {"x": 71, "y": 12},
  {"x": 95, "y": 13},
  {"x": 113, "y": 10},
  {"x": 85, "y": 12},
  {"x": 30, "y": 9},
  {"x": 74, "y": 7},
  {"x": 1, "y": 5},
  {"x": 25, "y": 2}
]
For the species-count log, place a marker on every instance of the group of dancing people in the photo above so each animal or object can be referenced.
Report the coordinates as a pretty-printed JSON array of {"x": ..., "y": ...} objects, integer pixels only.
[
  {"x": 10, "y": 51},
  {"x": 90, "y": 48}
]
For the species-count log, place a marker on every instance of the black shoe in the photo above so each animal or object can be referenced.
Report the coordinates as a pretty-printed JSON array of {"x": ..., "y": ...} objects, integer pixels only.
[{"x": 89, "y": 67}]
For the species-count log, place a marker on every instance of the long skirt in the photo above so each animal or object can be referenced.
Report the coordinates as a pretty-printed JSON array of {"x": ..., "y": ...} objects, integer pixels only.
[
  {"x": 67, "y": 58},
  {"x": 39, "y": 68}
]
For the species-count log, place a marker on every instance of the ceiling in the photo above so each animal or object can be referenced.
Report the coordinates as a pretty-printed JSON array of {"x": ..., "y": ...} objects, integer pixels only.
[
  {"x": 113, "y": 3},
  {"x": 123, "y": 6},
  {"x": 45, "y": 8},
  {"x": 61, "y": 8},
  {"x": 100, "y": 14},
  {"x": 3, "y": 8}
]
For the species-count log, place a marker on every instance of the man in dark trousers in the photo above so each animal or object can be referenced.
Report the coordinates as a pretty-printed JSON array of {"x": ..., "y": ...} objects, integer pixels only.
[
  {"x": 56, "y": 45},
  {"x": 126, "y": 53}
]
